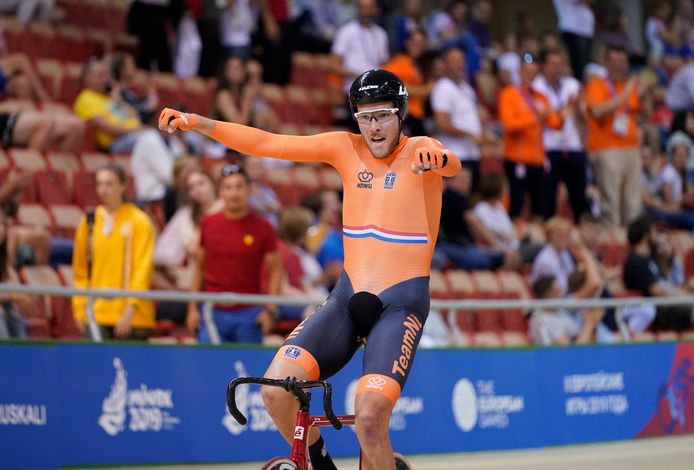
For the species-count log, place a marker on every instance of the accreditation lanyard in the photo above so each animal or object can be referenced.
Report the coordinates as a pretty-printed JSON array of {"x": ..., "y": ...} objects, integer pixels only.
[
  {"x": 529, "y": 101},
  {"x": 613, "y": 93}
]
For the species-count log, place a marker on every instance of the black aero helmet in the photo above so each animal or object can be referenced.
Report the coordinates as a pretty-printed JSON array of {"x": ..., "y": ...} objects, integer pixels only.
[{"x": 377, "y": 85}]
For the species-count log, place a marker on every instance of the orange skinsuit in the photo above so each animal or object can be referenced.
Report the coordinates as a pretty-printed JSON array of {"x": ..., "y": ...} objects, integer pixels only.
[
  {"x": 390, "y": 214},
  {"x": 522, "y": 128}
]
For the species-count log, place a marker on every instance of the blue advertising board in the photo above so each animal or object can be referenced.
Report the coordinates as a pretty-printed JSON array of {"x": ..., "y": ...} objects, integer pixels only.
[{"x": 88, "y": 404}]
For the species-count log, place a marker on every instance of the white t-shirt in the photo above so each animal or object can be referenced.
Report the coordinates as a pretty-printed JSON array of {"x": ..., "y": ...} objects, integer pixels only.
[
  {"x": 550, "y": 262},
  {"x": 496, "y": 219},
  {"x": 568, "y": 138},
  {"x": 362, "y": 48},
  {"x": 237, "y": 23},
  {"x": 575, "y": 17},
  {"x": 511, "y": 63},
  {"x": 668, "y": 175},
  {"x": 546, "y": 327},
  {"x": 459, "y": 101}
]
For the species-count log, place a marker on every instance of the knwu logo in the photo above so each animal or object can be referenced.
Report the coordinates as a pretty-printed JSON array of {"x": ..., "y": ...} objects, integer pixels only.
[
  {"x": 148, "y": 408},
  {"x": 365, "y": 178},
  {"x": 405, "y": 405},
  {"x": 251, "y": 405}
]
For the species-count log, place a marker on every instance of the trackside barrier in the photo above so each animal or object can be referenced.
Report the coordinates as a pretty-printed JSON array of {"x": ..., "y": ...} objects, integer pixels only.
[{"x": 83, "y": 403}]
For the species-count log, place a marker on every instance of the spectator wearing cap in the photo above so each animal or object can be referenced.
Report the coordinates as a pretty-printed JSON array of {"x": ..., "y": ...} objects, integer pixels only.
[
  {"x": 235, "y": 246},
  {"x": 614, "y": 105},
  {"x": 564, "y": 147},
  {"x": 524, "y": 114}
]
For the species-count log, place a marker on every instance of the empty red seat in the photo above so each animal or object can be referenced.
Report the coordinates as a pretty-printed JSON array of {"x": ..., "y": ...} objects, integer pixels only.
[
  {"x": 51, "y": 187},
  {"x": 85, "y": 189},
  {"x": 67, "y": 218}
]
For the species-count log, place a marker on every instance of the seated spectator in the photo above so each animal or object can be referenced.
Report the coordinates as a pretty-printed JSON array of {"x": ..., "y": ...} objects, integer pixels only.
[
  {"x": 303, "y": 275},
  {"x": 119, "y": 130},
  {"x": 114, "y": 250},
  {"x": 641, "y": 273},
  {"x": 669, "y": 263},
  {"x": 456, "y": 240},
  {"x": 556, "y": 259},
  {"x": 177, "y": 195},
  {"x": 237, "y": 99},
  {"x": 19, "y": 64},
  {"x": 50, "y": 127},
  {"x": 559, "y": 326},
  {"x": 496, "y": 229},
  {"x": 235, "y": 246},
  {"x": 123, "y": 73},
  {"x": 264, "y": 200},
  {"x": 324, "y": 238}
]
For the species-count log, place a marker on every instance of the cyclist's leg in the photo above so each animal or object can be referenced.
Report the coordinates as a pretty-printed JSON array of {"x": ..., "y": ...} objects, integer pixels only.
[
  {"x": 319, "y": 347},
  {"x": 388, "y": 358}
]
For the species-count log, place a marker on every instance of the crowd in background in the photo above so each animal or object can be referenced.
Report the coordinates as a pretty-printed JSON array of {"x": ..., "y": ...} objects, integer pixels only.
[{"x": 532, "y": 114}]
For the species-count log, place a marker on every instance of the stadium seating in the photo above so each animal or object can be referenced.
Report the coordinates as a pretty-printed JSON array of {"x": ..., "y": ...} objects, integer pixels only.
[{"x": 67, "y": 218}]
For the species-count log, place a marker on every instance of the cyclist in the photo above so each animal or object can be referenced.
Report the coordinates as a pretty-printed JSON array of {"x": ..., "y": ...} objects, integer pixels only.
[{"x": 392, "y": 203}]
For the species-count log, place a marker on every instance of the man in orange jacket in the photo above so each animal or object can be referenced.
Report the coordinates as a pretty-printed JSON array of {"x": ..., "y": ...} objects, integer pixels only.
[{"x": 524, "y": 114}]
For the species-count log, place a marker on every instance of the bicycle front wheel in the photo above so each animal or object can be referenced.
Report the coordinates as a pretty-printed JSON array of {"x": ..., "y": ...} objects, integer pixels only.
[{"x": 280, "y": 463}]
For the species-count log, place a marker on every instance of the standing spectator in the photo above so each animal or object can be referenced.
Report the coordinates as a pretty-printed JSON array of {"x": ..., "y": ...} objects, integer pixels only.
[
  {"x": 616, "y": 32},
  {"x": 656, "y": 30},
  {"x": 411, "y": 20},
  {"x": 454, "y": 104},
  {"x": 577, "y": 26},
  {"x": 316, "y": 22},
  {"x": 614, "y": 104},
  {"x": 482, "y": 12},
  {"x": 114, "y": 250},
  {"x": 119, "y": 130},
  {"x": 567, "y": 157},
  {"x": 236, "y": 25},
  {"x": 508, "y": 63},
  {"x": 360, "y": 44},
  {"x": 524, "y": 114},
  {"x": 641, "y": 273},
  {"x": 235, "y": 246},
  {"x": 406, "y": 66},
  {"x": 148, "y": 20},
  {"x": 679, "y": 96}
]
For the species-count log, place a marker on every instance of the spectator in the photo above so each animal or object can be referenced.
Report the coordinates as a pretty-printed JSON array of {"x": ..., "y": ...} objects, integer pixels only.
[
  {"x": 123, "y": 75},
  {"x": 235, "y": 246},
  {"x": 263, "y": 200},
  {"x": 556, "y": 259},
  {"x": 27, "y": 10},
  {"x": 656, "y": 30},
  {"x": 564, "y": 147},
  {"x": 114, "y": 250},
  {"x": 559, "y": 326},
  {"x": 613, "y": 105},
  {"x": 406, "y": 66},
  {"x": 180, "y": 238},
  {"x": 524, "y": 113},
  {"x": 148, "y": 20},
  {"x": 302, "y": 275},
  {"x": 615, "y": 33},
  {"x": 360, "y": 44},
  {"x": 316, "y": 21},
  {"x": 458, "y": 225},
  {"x": 410, "y": 21},
  {"x": 237, "y": 22},
  {"x": 679, "y": 96},
  {"x": 177, "y": 195},
  {"x": 324, "y": 239},
  {"x": 448, "y": 23},
  {"x": 454, "y": 104},
  {"x": 577, "y": 27},
  {"x": 12, "y": 323},
  {"x": 119, "y": 130},
  {"x": 496, "y": 229},
  {"x": 669, "y": 263},
  {"x": 482, "y": 13},
  {"x": 641, "y": 273},
  {"x": 237, "y": 98}
]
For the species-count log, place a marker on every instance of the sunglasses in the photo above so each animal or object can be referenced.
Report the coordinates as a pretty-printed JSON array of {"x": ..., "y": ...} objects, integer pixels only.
[
  {"x": 232, "y": 169},
  {"x": 529, "y": 58}
]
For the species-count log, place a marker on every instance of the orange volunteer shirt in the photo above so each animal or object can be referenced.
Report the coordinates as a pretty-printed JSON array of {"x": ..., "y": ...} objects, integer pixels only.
[
  {"x": 522, "y": 126},
  {"x": 601, "y": 133},
  {"x": 404, "y": 67},
  {"x": 390, "y": 214}
]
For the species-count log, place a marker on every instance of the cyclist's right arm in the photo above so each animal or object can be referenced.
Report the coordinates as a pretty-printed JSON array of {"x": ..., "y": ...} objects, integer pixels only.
[{"x": 321, "y": 147}]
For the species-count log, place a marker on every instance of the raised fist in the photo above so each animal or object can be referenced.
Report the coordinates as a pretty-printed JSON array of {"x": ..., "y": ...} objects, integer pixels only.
[
  {"x": 429, "y": 158},
  {"x": 171, "y": 119}
]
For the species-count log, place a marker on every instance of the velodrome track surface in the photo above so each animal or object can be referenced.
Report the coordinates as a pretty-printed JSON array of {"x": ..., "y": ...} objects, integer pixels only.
[{"x": 671, "y": 453}]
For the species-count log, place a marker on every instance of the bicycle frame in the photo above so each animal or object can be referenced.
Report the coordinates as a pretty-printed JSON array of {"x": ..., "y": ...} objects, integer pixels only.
[{"x": 304, "y": 420}]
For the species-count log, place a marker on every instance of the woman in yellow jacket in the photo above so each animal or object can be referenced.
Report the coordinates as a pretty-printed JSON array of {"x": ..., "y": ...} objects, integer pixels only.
[{"x": 115, "y": 250}]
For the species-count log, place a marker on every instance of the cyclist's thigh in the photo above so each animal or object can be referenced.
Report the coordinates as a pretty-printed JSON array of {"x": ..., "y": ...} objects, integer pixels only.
[
  {"x": 393, "y": 341},
  {"x": 328, "y": 335}
]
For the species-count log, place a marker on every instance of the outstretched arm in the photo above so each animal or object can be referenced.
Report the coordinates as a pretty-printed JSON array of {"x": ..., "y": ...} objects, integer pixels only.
[
  {"x": 252, "y": 141},
  {"x": 436, "y": 159}
]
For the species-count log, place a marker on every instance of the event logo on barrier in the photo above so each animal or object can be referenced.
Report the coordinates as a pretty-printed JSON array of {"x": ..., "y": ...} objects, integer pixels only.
[
  {"x": 405, "y": 406},
  {"x": 478, "y": 404},
  {"x": 250, "y": 403},
  {"x": 149, "y": 408},
  {"x": 674, "y": 399},
  {"x": 23, "y": 414}
]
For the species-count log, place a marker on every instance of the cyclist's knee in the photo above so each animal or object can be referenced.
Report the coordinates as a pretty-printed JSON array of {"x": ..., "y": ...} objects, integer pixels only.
[
  {"x": 372, "y": 416},
  {"x": 277, "y": 400}
]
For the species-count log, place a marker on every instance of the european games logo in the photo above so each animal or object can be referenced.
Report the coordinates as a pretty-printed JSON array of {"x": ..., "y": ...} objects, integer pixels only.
[
  {"x": 250, "y": 403},
  {"x": 148, "y": 407},
  {"x": 479, "y": 404}
]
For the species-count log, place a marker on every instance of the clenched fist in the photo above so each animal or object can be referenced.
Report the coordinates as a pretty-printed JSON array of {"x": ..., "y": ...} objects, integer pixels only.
[
  {"x": 171, "y": 119},
  {"x": 429, "y": 158}
]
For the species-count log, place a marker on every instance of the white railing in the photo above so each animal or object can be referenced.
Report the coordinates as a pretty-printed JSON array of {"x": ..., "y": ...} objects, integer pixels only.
[{"x": 209, "y": 300}]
